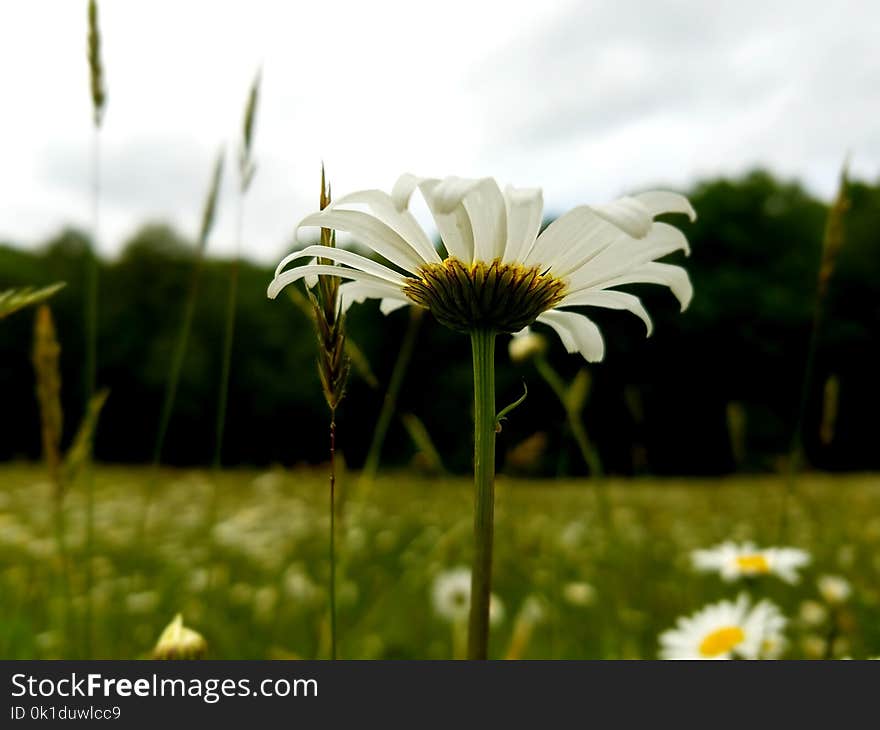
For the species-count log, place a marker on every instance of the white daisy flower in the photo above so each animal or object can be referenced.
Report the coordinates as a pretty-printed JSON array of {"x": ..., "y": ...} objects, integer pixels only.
[
  {"x": 451, "y": 595},
  {"x": 732, "y": 561},
  {"x": 497, "y": 273},
  {"x": 834, "y": 588},
  {"x": 525, "y": 345},
  {"x": 727, "y": 630}
]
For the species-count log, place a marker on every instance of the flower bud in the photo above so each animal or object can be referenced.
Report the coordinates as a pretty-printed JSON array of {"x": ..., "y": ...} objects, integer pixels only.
[{"x": 180, "y": 642}]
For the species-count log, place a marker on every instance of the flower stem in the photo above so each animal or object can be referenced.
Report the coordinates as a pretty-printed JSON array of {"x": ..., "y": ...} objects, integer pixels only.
[{"x": 483, "y": 349}]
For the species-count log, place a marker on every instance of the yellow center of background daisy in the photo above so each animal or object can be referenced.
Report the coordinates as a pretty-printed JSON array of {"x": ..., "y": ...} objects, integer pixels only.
[
  {"x": 753, "y": 563},
  {"x": 721, "y": 641}
]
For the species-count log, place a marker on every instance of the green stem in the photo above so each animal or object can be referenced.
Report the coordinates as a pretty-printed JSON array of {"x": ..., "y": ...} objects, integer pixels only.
[
  {"x": 371, "y": 465},
  {"x": 333, "y": 534},
  {"x": 91, "y": 367},
  {"x": 483, "y": 349},
  {"x": 228, "y": 337}
]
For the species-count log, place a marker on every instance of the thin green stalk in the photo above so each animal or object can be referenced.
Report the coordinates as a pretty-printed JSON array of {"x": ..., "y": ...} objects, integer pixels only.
[
  {"x": 579, "y": 433},
  {"x": 91, "y": 366},
  {"x": 404, "y": 355},
  {"x": 228, "y": 336},
  {"x": 483, "y": 350},
  {"x": 61, "y": 545},
  {"x": 246, "y": 171},
  {"x": 333, "y": 533},
  {"x": 208, "y": 215},
  {"x": 832, "y": 241}
]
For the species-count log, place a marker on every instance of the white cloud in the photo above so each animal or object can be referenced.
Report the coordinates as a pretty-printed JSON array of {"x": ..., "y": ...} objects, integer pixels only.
[{"x": 585, "y": 100}]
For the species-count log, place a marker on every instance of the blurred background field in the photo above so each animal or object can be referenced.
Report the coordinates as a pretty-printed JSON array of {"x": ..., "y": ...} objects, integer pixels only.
[
  {"x": 750, "y": 417},
  {"x": 252, "y": 580}
]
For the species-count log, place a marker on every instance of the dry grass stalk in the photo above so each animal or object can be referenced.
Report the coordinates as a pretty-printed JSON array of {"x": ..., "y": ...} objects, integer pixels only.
[{"x": 46, "y": 356}]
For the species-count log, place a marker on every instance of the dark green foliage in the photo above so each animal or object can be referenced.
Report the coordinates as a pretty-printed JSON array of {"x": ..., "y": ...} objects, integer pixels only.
[{"x": 756, "y": 251}]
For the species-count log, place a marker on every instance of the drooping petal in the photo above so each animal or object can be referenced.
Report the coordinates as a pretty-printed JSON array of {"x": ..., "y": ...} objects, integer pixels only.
[
  {"x": 663, "y": 201},
  {"x": 610, "y": 300},
  {"x": 572, "y": 240},
  {"x": 624, "y": 253},
  {"x": 453, "y": 224},
  {"x": 675, "y": 277},
  {"x": 349, "y": 258},
  {"x": 525, "y": 208},
  {"x": 301, "y": 272},
  {"x": 383, "y": 207},
  {"x": 371, "y": 232},
  {"x": 577, "y": 332},
  {"x": 390, "y": 304},
  {"x": 358, "y": 291},
  {"x": 628, "y": 214}
]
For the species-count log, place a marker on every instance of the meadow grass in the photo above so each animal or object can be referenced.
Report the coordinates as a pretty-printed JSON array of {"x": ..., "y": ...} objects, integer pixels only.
[{"x": 255, "y": 582}]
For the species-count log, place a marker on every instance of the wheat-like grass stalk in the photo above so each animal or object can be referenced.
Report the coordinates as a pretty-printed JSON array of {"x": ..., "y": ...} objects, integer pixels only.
[
  {"x": 47, "y": 371},
  {"x": 98, "y": 91},
  {"x": 246, "y": 170},
  {"x": 334, "y": 365},
  {"x": 209, "y": 213},
  {"x": 46, "y": 355},
  {"x": 832, "y": 243}
]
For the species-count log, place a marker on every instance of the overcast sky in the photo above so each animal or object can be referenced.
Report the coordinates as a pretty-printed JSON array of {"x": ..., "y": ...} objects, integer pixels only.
[{"x": 585, "y": 99}]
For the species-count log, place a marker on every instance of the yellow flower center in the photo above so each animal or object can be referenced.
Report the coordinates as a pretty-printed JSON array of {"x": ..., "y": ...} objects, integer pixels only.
[
  {"x": 495, "y": 296},
  {"x": 753, "y": 563},
  {"x": 721, "y": 641}
]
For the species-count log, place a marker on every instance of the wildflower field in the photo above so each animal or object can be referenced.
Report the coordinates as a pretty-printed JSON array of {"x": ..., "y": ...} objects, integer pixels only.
[
  {"x": 243, "y": 556},
  {"x": 583, "y": 409}
]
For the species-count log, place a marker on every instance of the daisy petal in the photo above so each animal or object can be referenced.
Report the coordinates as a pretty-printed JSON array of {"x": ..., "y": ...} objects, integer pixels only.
[
  {"x": 610, "y": 300},
  {"x": 662, "y": 201},
  {"x": 383, "y": 207},
  {"x": 341, "y": 256},
  {"x": 485, "y": 207},
  {"x": 628, "y": 214},
  {"x": 675, "y": 277},
  {"x": 371, "y": 232},
  {"x": 525, "y": 207},
  {"x": 624, "y": 254},
  {"x": 358, "y": 291},
  {"x": 301, "y": 272},
  {"x": 571, "y": 240},
  {"x": 389, "y": 305},
  {"x": 453, "y": 223},
  {"x": 577, "y": 332}
]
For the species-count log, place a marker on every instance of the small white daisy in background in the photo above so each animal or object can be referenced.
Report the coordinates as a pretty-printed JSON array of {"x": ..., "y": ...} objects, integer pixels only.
[
  {"x": 732, "y": 561},
  {"x": 813, "y": 613},
  {"x": 451, "y": 595},
  {"x": 525, "y": 345},
  {"x": 834, "y": 589},
  {"x": 579, "y": 593},
  {"x": 727, "y": 630}
]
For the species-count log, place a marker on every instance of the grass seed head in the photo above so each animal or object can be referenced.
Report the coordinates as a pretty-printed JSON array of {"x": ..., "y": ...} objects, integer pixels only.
[
  {"x": 96, "y": 69},
  {"x": 334, "y": 363}
]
